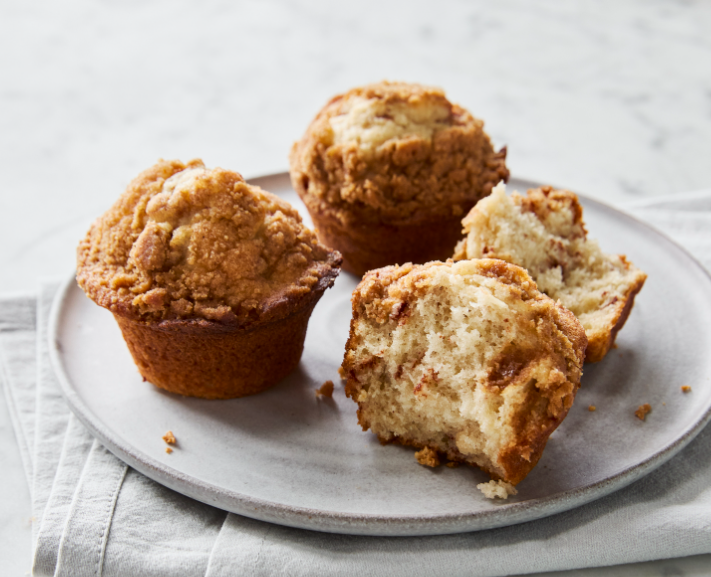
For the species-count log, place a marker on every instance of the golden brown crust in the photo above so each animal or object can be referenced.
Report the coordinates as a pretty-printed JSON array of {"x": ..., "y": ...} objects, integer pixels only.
[
  {"x": 184, "y": 242},
  {"x": 211, "y": 360},
  {"x": 366, "y": 246},
  {"x": 600, "y": 343},
  {"x": 385, "y": 297}
]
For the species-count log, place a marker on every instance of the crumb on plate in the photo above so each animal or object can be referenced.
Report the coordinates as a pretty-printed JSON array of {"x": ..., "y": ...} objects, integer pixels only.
[
  {"x": 326, "y": 390},
  {"x": 169, "y": 438},
  {"x": 685, "y": 389},
  {"x": 642, "y": 410},
  {"x": 168, "y": 450},
  {"x": 427, "y": 457},
  {"x": 592, "y": 408},
  {"x": 497, "y": 489}
]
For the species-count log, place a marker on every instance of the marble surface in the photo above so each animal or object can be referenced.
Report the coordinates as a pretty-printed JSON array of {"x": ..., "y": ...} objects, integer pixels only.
[{"x": 612, "y": 99}]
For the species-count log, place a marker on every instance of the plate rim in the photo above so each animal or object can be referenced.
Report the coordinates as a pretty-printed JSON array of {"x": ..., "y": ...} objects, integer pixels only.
[{"x": 369, "y": 524}]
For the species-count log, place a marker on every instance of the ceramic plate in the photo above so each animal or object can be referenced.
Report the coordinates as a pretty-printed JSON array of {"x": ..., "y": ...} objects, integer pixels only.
[{"x": 286, "y": 457}]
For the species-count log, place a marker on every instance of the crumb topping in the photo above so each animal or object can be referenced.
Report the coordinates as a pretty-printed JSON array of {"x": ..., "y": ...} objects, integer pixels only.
[
  {"x": 186, "y": 242},
  {"x": 394, "y": 152}
]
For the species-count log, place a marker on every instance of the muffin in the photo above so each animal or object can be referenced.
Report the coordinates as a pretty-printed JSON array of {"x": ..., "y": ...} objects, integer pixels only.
[
  {"x": 211, "y": 280},
  {"x": 544, "y": 232},
  {"x": 466, "y": 361},
  {"x": 388, "y": 170}
]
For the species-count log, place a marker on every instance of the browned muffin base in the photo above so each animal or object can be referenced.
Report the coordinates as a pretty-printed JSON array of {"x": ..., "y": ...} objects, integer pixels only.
[
  {"x": 199, "y": 358},
  {"x": 369, "y": 246}
]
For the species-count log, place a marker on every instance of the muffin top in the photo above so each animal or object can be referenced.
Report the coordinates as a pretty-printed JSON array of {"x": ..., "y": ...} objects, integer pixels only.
[
  {"x": 394, "y": 152},
  {"x": 186, "y": 242}
]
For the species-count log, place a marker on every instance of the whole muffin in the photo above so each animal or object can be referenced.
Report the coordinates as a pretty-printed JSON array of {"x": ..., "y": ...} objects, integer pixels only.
[
  {"x": 466, "y": 361},
  {"x": 387, "y": 172},
  {"x": 211, "y": 280}
]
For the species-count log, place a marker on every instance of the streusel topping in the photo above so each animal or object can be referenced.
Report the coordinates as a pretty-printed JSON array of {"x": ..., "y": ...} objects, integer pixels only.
[
  {"x": 397, "y": 153},
  {"x": 185, "y": 242}
]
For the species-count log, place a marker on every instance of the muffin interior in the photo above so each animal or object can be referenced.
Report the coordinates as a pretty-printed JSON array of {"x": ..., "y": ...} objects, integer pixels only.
[
  {"x": 544, "y": 233},
  {"x": 456, "y": 360}
]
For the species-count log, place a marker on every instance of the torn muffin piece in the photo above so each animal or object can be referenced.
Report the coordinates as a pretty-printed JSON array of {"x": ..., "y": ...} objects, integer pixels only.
[
  {"x": 544, "y": 233},
  {"x": 468, "y": 361}
]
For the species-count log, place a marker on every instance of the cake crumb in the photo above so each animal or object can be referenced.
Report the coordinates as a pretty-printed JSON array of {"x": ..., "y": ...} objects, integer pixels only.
[
  {"x": 497, "y": 489},
  {"x": 641, "y": 412},
  {"x": 592, "y": 408},
  {"x": 326, "y": 390},
  {"x": 169, "y": 438},
  {"x": 168, "y": 450},
  {"x": 453, "y": 464},
  {"x": 427, "y": 457},
  {"x": 685, "y": 389}
]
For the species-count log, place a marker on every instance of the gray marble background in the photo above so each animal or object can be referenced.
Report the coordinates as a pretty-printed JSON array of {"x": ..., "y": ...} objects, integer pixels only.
[{"x": 608, "y": 98}]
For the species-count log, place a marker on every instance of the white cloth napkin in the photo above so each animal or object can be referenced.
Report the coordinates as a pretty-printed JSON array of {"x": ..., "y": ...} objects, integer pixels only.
[{"x": 93, "y": 515}]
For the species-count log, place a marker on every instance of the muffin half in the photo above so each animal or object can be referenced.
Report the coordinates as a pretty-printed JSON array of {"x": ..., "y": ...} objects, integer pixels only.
[
  {"x": 211, "y": 280},
  {"x": 544, "y": 232},
  {"x": 467, "y": 360},
  {"x": 388, "y": 170}
]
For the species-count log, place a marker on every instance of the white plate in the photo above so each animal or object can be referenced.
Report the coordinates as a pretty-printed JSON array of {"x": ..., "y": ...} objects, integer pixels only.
[{"x": 285, "y": 457}]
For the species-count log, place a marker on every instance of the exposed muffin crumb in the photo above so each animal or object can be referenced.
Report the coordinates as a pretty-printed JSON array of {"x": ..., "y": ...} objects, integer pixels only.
[
  {"x": 544, "y": 233},
  {"x": 685, "y": 389},
  {"x": 185, "y": 242},
  {"x": 169, "y": 438},
  {"x": 642, "y": 411},
  {"x": 394, "y": 152},
  {"x": 427, "y": 457},
  {"x": 592, "y": 408},
  {"x": 497, "y": 489},
  {"x": 325, "y": 390},
  {"x": 467, "y": 360}
]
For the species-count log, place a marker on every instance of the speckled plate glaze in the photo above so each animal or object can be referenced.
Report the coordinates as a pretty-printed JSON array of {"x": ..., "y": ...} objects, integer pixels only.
[{"x": 285, "y": 457}]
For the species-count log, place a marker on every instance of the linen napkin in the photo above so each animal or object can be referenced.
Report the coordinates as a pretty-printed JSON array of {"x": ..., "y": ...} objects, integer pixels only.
[{"x": 94, "y": 515}]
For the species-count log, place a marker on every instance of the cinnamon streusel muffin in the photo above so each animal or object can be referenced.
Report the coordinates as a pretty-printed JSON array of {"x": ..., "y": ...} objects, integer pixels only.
[
  {"x": 467, "y": 361},
  {"x": 211, "y": 280},
  {"x": 388, "y": 170},
  {"x": 544, "y": 232}
]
